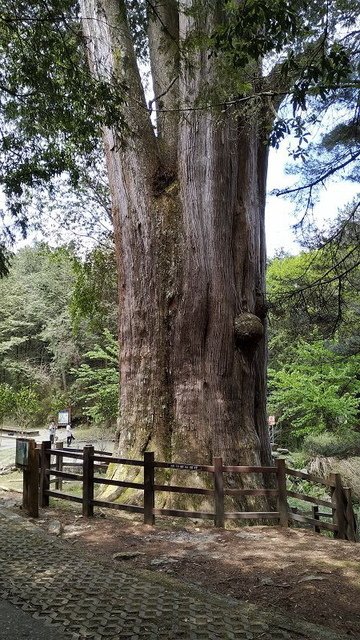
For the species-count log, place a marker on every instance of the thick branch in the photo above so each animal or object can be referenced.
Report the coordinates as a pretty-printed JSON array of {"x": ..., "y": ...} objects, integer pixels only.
[
  {"x": 112, "y": 57},
  {"x": 163, "y": 33}
]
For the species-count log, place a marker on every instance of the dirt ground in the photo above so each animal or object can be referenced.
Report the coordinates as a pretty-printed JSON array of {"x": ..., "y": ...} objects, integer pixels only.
[{"x": 311, "y": 576}]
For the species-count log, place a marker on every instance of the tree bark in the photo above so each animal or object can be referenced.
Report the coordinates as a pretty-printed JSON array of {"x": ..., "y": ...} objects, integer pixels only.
[{"x": 188, "y": 209}]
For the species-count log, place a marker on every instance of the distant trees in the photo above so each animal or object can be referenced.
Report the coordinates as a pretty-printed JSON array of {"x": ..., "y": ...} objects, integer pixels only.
[
  {"x": 314, "y": 340},
  {"x": 46, "y": 332},
  {"x": 35, "y": 324}
]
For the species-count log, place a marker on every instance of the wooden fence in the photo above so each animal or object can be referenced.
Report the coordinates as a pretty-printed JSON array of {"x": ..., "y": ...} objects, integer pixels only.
[{"x": 343, "y": 522}]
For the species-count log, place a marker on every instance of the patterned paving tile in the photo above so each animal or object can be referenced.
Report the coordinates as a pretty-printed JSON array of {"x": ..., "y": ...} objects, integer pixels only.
[{"x": 89, "y": 600}]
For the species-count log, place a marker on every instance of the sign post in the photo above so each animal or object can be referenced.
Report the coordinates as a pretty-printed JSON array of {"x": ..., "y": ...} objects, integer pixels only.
[{"x": 271, "y": 423}]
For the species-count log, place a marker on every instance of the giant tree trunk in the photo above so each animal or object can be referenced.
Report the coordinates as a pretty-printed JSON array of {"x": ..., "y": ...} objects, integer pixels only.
[{"x": 188, "y": 207}]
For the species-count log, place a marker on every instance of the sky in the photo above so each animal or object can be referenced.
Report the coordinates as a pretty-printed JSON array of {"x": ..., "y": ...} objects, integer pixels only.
[{"x": 282, "y": 214}]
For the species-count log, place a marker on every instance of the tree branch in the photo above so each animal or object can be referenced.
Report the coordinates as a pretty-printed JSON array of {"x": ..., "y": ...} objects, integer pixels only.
[
  {"x": 352, "y": 156},
  {"x": 112, "y": 58},
  {"x": 163, "y": 32}
]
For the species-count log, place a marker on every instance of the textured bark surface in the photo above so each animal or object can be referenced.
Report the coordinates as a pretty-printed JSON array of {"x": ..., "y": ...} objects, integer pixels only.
[{"x": 188, "y": 207}]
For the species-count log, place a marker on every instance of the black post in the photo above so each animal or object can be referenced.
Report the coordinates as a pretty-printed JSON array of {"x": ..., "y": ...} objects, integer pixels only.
[
  {"x": 58, "y": 467},
  {"x": 33, "y": 480},
  {"x": 315, "y": 514},
  {"x": 45, "y": 456},
  {"x": 219, "y": 517},
  {"x": 339, "y": 506},
  {"x": 88, "y": 481},
  {"x": 149, "y": 492},
  {"x": 282, "y": 494},
  {"x": 351, "y": 532}
]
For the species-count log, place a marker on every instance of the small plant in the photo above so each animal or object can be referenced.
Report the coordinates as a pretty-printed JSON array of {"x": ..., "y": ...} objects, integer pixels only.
[{"x": 98, "y": 382}]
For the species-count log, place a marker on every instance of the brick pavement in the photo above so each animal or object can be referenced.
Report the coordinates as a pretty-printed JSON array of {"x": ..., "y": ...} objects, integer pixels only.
[{"x": 86, "y": 598}]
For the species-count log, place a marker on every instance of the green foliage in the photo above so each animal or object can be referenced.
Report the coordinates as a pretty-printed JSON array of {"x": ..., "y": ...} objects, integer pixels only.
[
  {"x": 38, "y": 347},
  {"x": 7, "y": 400},
  {"x": 52, "y": 109},
  {"x": 255, "y": 28},
  {"x": 94, "y": 294},
  {"x": 46, "y": 141},
  {"x": 35, "y": 326},
  {"x": 27, "y": 407},
  {"x": 314, "y": 344},
  {"x": 23, "y": 405},
  {"x": 315, "y": 391},
  {"x": 315, "y": 295},
  {"x": 98, "y": 382},
  {"x": 312, "y": 43}
]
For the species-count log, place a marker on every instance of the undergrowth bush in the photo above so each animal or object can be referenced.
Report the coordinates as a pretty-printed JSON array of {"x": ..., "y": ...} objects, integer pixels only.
[{"x": 332, "y": 445}]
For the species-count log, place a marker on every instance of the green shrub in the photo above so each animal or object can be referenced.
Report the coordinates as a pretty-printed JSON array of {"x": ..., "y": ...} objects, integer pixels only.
[
  {"x": 316, "y": 392},
  {"x": 7, "y": 400},
  {"x": 332, "y": 445},
  {"x": 97, "y": 383}
]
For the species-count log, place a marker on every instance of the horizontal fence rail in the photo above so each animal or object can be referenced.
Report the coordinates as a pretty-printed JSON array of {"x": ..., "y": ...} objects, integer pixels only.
[{"x": 50, "y": 470}]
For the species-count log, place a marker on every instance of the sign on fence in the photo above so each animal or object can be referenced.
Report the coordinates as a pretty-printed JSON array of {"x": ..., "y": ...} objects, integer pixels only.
[
  {"x": 192, "y": 467},
  {"x": 22, "y": 453}
]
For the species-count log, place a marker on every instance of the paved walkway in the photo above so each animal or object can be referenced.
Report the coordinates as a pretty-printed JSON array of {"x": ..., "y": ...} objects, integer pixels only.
[{"x": 79, "y": 597}]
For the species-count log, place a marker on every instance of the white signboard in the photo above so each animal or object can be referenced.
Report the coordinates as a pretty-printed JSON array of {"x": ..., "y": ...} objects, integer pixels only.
[
  {"x": 271, "y": 420},
  {"x": 64, "y": 417}
]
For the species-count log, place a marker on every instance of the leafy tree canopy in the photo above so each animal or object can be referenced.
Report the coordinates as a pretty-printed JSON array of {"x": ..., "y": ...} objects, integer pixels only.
[
  {"x": 52, "y": 110},
  {"x": 317, "y": 292}
]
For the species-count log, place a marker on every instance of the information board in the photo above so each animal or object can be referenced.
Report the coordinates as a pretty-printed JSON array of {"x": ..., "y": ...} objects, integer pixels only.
[
  {"x": 64, "y": 417},
  {"x": 22, "y": 453}
]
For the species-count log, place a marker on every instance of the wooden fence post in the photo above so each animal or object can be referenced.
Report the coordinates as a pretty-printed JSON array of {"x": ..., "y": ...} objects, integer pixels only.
[
  {"x": 31, "y": 481},
  {"x": 149, "y": 492},
  {"x": 315, "y": 515},
  {"x": 339, "y": 505},
  {"x": 25, "y": 493},
  {"x": 45, "y": 456},
  {"x": 59, "y": 467},
  {"x": 282, "y": 494},
  {"x": 351, "y": 532},
  {"x": 88, "y": 481},
  {"x": 219, "y": 518}
]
